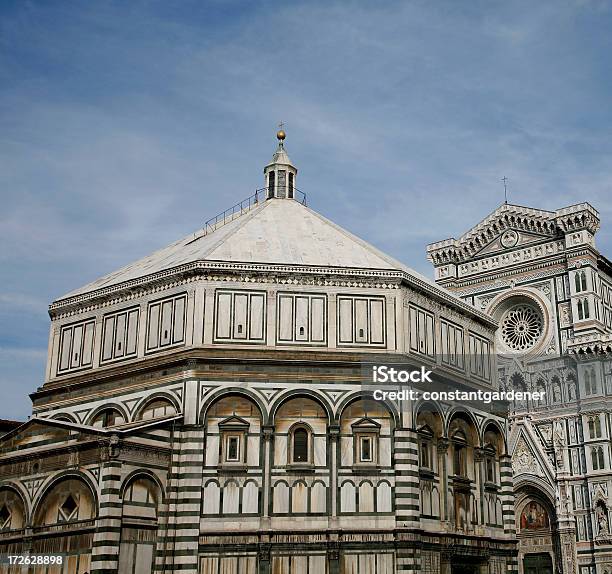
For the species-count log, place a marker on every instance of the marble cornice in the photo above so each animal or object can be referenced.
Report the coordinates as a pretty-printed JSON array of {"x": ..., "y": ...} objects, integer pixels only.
[
  {"x": 257, "y": 273},
  {"x": 493, "y": 281}
]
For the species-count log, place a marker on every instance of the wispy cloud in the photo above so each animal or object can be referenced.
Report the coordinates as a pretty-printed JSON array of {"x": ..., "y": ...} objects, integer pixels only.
[{"x": 126, "y": 126}]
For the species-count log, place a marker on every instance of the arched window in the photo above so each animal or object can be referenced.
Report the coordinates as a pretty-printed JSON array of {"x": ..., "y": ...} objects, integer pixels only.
[
  {"x": 459, "y": 454},
  {"x": 157, "y": 408},
  {"x": 109, "y": 417},
  {"x": 597, "y": 458},
  {"x": 581, "y": 281},
  {"x": 300, "y": 449},
  {"x": 590, "y": 381},
  {"x": 301, "y": 427},
  {"x": 594, "y": 427},
  {"x": 70, "y": 500},
  {"x": 12, "y": 513}
]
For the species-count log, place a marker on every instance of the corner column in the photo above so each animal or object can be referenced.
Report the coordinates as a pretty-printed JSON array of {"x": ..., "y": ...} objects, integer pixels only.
[
  {"x": 106, "y": 539},
  {"x": 184, "y": 503}
]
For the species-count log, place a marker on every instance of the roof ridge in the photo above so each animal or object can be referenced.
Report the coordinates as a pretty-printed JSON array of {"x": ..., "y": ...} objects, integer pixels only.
[{"x": 242, "y": 219}]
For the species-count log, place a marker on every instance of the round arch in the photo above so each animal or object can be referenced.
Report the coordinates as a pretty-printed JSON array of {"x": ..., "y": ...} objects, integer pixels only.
[
  {"x": 458, "y": 411},
  {"x": 54, "y": 480},
  {"x": 101, "y": 408},
  {"x": 301, "y": 393},
  {"x": 498, "y": 428},
  {"x": 419, "y": 407},
  {"x": 64, "y": 417},
  {"x": 420, "y": 404},
  {"x": 22, "y": 495},
  {"x": 222, "y": 393},
  {"x": 366, "y": 395},
  {"x": 142, "y": 473},
  {"x": 152, "y": 397}
]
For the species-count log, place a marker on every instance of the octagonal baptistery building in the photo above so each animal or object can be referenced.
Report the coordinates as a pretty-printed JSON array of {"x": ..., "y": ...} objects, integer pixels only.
[{"x": 204, "y": 411}]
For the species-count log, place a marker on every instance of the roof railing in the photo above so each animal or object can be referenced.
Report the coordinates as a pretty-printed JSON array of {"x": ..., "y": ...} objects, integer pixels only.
[{"x": 249, "y": 203}]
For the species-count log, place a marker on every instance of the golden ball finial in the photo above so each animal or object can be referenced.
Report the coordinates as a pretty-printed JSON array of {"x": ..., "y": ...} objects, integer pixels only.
[{"x": 280, "y": 134}]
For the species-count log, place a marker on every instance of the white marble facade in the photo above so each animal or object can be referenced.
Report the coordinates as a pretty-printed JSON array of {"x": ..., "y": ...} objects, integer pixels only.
[
  {"x": 540, "y": 275},
  {"x": 204, "y": 411}
]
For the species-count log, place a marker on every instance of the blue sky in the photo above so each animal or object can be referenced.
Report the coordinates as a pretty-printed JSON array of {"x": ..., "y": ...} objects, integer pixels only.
[{"x": 125, "y": 125}]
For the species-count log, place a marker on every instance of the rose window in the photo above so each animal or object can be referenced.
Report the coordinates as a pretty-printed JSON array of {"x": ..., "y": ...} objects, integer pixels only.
[{"x": 521, "y": 327}]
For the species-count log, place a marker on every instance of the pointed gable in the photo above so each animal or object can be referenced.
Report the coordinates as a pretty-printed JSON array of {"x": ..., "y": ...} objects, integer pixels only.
[
  {"x": 511, "y": 226},
  {"x": 234, "y": 423},
  {"x": 366, "y": 424}
]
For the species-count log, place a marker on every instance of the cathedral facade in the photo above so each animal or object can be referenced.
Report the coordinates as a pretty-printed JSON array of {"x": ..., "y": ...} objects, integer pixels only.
[
  {"x": 205, "y": 411},
  {"x": 539, "y": 274}
]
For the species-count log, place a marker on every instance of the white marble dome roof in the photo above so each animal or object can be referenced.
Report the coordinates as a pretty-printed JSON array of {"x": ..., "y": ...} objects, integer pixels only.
[{"x": 279, "y": 232}]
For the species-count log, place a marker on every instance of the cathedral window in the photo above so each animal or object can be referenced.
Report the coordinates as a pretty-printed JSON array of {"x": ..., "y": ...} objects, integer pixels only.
[
  {"x": 290, "y": 190},
  {"x": 581, "y": 281},
  {"x": 597, "y": 458},
  {"x": 590, "y": 381},
  {"x": 583, "y": 309},
  {"x": 521, "y": 327},
  {"x": 594, "y": 427}
]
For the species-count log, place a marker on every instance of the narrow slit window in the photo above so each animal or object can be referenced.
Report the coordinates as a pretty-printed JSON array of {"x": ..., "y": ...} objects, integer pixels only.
[
  {"x": 271, "y": 184},
  {"x": 300, "y": 445},
  {"x": 233, "y": 449},
  {"x": 366, "y": 449}
]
